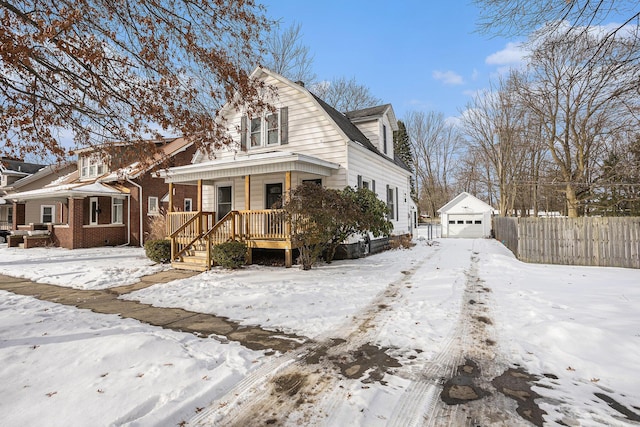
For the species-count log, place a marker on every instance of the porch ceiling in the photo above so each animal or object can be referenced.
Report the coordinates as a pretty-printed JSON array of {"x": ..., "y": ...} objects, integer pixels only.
[{"x": 252, "y": 164}]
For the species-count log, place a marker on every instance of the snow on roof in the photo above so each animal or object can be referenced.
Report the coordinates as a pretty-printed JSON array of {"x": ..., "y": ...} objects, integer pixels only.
[{"x": 68, "y": 190}]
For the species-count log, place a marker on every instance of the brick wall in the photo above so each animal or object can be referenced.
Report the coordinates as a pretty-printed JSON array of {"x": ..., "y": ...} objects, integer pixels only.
[
  {"x": 156, "y": 187},
  {"x": 104, "y": 235}
]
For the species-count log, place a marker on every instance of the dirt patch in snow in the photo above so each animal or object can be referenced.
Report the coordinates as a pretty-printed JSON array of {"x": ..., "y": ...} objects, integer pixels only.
[{"x": 516, "y": 384}]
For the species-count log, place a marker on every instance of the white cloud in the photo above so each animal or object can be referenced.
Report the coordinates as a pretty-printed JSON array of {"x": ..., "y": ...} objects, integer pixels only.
[
  {"x": 512, "y": 54},
  {"x": 448, "y": 77}
]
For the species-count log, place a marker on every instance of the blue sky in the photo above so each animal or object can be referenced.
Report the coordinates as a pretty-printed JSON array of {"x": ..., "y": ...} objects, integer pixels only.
[{"x": 416, "y": 55}]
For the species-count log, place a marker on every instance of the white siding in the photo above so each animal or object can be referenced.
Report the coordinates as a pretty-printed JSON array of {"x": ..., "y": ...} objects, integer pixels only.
[
  {"x": 373, "y": 167},
  {"x": 461, "y": 209},
  {"x": 373, "y": 130},
  {"x": 310, "y": 132}
]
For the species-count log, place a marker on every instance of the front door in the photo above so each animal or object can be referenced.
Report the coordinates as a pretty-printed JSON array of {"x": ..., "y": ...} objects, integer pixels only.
[
  {"x": 274, "y": 196},
  {"x": 274, "y": 221},
  {"x": 224, "y": 202},
  {"x": 93, "y": 211}
]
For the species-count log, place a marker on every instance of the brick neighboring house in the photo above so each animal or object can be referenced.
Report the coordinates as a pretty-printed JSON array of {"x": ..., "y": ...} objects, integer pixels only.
[{"x": 94, "y": 206}]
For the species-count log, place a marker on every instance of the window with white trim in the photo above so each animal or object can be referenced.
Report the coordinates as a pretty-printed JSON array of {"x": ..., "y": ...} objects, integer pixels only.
[
  {"x": 268, "y": 130},
  {"x": 94, "y": 211},
  {"x": 47, "y": 214},
  {"x": 188, "y": 205},
  {"x": 117, "y": 208},
  {"x": 153, "y": 207},
  {"x": 391, "y": 202},
  {"x": 91, "y": 166}
]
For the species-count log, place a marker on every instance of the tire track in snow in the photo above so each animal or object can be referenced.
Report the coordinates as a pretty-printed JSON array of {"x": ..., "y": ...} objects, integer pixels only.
[
  {"x": 421, "y": 404},
  {"x": 288, "y": 382}
]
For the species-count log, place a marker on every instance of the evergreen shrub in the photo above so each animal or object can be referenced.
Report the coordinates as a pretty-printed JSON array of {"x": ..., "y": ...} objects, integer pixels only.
[
  {"x": 158, "y": 250},
  {"x": 232, "y": 254}
]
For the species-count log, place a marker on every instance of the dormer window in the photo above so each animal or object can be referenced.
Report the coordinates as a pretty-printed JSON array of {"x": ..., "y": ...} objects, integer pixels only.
[
  {"x": 268, "y": 130},
  {"x": 91, "y": 166}
]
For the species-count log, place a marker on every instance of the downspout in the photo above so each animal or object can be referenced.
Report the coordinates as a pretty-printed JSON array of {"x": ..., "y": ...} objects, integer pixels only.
[
  {"x": 128, "y": 219},
  {"x": 140, "y": 202}
]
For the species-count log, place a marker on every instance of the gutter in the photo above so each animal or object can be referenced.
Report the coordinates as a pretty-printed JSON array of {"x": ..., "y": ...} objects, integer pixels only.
[{"x": 140, "y": 202}]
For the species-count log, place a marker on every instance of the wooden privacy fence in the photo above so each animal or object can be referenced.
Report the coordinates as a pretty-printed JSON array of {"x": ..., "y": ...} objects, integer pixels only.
[{"x": 604, "y": 242}]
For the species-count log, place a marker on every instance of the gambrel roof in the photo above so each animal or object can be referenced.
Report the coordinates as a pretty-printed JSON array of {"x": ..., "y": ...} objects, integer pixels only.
[{"x": 352, "y": 132}]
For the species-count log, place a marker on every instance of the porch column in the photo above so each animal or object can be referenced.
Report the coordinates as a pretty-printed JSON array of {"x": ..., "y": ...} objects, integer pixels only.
[
  {"x": 199, "y": 206},
  {"x": 287, "y": 186},
  {"x": 287, "y": 224},
  {"x": 171, "y": 197},
  {"x": 199, "y": 195},
  {"x": 247, "y": 192},
  {"x": 76, "y": 220},
  {"x": 247, "y": 207}
]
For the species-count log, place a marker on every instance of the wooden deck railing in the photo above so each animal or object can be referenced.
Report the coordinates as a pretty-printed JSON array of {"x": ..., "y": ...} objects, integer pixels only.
[
  {"x": 195, "y": 230},
  {"x": 187, "y": 228}
]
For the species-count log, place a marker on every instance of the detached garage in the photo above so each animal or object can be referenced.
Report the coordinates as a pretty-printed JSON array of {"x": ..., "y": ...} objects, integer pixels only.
[{"x": 466, "y": 216}]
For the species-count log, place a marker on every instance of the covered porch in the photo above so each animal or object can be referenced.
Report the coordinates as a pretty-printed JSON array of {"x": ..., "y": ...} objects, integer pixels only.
[
  {"x": 70, "y": 216},
  {"x": 238, "y": 199}
]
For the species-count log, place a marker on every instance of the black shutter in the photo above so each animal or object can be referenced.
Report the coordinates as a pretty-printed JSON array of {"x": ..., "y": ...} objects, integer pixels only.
[
  {"x": 284, "y": 125},
  {"x": 243, "y": 133},
  {"x": 359, "y": 181},
  {"x": 373, "y": 185},
  {"x": 397, "y": 206}
]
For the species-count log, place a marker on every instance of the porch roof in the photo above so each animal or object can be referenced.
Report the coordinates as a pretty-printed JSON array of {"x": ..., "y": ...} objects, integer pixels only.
[
  {"x": 68, "y": 190},
  {"x": 251, "y": 164}
]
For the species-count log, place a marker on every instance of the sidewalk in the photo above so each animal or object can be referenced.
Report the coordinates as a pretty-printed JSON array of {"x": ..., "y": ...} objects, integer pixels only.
[{"x": 107, "y": 302}]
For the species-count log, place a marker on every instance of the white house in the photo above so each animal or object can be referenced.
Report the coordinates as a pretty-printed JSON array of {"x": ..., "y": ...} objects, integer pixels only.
[
  {"x": 466, "y": 216},
  {"x": 303, "y": 139}
]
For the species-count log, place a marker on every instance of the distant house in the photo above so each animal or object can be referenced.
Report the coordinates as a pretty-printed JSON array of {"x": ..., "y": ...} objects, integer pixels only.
[
  {"x": 16, "y": 176},
  {"x": 466, "y": 216},
  {"x": 302, "y": 140},
  {"x": 95, "y": 205}
]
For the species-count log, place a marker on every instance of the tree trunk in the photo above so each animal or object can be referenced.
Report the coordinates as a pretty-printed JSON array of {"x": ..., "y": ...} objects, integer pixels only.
[{"x": 572, "y": 202}]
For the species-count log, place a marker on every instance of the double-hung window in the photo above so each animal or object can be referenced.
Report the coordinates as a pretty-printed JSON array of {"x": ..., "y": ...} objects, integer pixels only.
[
  {"x": 392, "y": 202},
  {"x": 153, "y": 208},
  {"x": 91, "y": 166},
  {"x": 256, "y": 132},
  {"x": 272, "y": 129},
  {"x": 47, "y": 213},
  {"x": 116, "y": 210},
  {"x": 268, "y": 130}
]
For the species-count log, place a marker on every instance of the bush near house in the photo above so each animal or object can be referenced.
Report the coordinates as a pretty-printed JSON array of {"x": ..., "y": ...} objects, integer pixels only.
[
  {"x": 232, "y": 254},
  {"x": 158, "y": 250},
  {"x": 323, "y": 218}
]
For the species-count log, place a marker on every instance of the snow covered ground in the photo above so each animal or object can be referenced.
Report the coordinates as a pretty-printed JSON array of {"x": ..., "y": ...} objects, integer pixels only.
[{"x": 62, "y": 366}]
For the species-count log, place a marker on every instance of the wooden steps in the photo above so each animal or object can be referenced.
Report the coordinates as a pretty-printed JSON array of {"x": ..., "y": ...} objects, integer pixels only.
[{"x": 193, "y": 260}]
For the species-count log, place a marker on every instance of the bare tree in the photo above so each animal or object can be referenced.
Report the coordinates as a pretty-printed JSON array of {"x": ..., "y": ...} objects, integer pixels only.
[
  {"x": 287, "y": 55},
  {"x": 494, "y": 125},
  {"x": 345, "y": 94},
  {"x": 522, "y": 17},
  {"x": 434, "y": 143},
  {"x": 474, "y": 175},
  {"x": 581, "y": 105},
  {"x": 122, "y": 70}
]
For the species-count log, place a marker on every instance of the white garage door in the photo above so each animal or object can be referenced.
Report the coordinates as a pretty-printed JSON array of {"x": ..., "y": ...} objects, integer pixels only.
[{"x": 469, "y": 225}]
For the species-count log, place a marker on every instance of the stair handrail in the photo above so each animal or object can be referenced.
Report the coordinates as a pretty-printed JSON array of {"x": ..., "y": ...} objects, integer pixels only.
[
  {"x": 207, "y": 235},
  {"x": 172, "y": 236}
]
